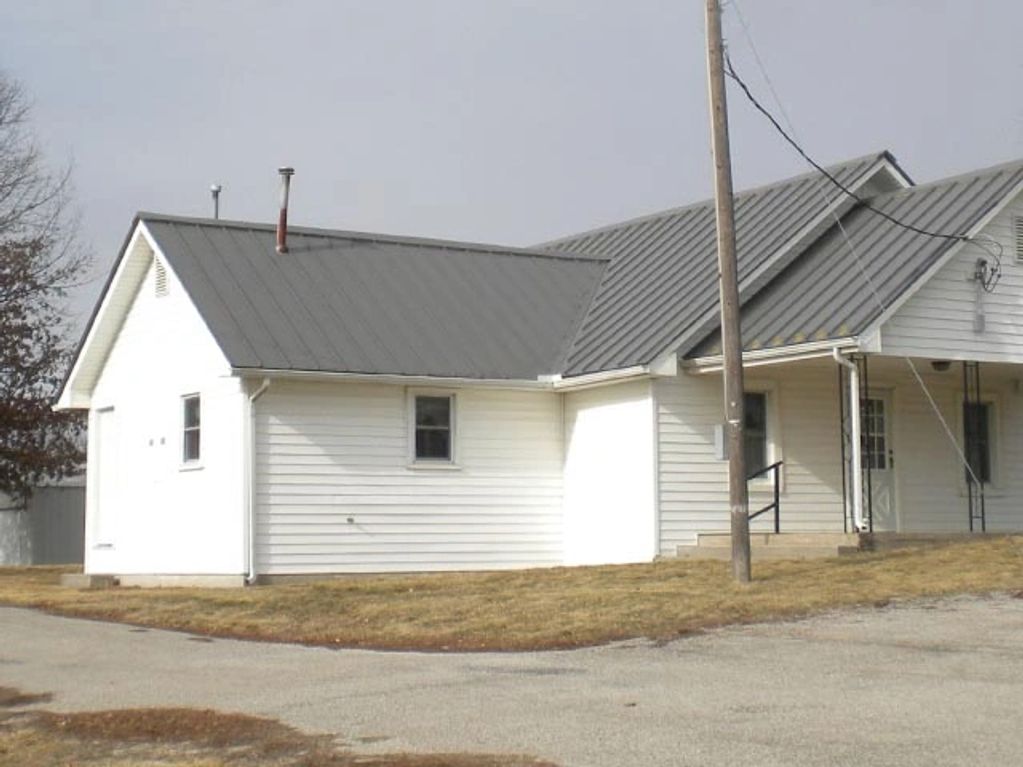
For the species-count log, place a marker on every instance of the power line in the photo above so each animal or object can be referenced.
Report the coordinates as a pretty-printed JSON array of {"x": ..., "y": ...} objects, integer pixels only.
[
  {"x": 823, "y": 171},
  {"x": 845, "y": 235}
]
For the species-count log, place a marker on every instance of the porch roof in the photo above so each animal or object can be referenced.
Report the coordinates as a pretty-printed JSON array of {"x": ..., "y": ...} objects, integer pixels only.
[{"x": 840, "y": 285}]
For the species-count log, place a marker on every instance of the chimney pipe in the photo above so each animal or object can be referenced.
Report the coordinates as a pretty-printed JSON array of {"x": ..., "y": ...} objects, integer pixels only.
[
  {"x": 282, "y": 221},
  {"x": 215, "y": 191}
]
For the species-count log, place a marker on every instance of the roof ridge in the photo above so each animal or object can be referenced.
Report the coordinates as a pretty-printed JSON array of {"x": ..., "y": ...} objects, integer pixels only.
[
  {"x": 395, "y": 239},
  {"x": 883, "y": 154}
]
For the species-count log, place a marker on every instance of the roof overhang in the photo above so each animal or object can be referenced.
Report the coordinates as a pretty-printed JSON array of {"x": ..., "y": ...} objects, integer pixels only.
[
  {"x": 778, "y": 356},
  {"x": 875, "y": 327},
  {"x": 662, "y": 367},
  {"x": 107, "y": 317}
]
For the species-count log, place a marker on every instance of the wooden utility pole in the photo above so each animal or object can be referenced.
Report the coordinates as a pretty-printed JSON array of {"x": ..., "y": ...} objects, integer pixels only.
[{"x": 729, "y": 287}]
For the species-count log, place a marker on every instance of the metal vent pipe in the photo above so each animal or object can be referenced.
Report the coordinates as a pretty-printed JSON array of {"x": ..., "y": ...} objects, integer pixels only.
[
  {"x": 282, "y": 220},
  {"x": 215, "y": 191}
]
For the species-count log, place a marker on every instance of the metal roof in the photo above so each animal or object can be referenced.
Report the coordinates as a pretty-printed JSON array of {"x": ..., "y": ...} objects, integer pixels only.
[
  {"x": 357, "y": 303},
  {"x": 834, "y": 291},
  {"x": 660, "y": 291}
]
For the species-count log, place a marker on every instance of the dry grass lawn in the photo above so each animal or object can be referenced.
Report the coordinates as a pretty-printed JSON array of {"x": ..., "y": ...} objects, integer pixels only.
[
  {"x": 183, "y": 737},
  {"x": 535, "y": 609}
]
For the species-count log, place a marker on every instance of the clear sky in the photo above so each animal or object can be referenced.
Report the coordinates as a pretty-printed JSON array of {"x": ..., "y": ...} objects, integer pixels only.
[{"x": 505, "y": 121}]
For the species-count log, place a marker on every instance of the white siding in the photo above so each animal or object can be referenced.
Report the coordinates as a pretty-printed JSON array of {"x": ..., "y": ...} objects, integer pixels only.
[
  {"x": 938, "y": 320},
  {"x": 804, "y": 430},
  {"x": 156, "y": 517},
  {"x": 330, "y": 453},
  {"x": 610, "y": 513}
]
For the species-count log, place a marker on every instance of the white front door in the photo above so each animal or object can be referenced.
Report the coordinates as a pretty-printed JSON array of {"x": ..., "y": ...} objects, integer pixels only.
[
  {"x": 104, "y": 494},
  {"x": 879, "y": 462}
]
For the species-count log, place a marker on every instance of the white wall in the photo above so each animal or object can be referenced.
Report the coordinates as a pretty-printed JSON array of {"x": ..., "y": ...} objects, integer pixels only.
[
  {"x": 161, "y": 518},
  {"x": 805, "y": 433},
  {"x": 327, "y": 453},
  {"x": 610, "y": 511},
  {"x": 938, "y": 320}
]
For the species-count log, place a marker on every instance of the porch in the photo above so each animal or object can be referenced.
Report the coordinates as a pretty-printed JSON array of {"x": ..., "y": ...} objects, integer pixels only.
[{"x": 917, "y": 420}]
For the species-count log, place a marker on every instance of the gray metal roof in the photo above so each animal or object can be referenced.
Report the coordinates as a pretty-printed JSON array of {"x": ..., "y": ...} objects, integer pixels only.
[
  {"x": 357, "y": 303},
  {"x": 829, "y": 293},
  {"x": 660, "y": 291}
]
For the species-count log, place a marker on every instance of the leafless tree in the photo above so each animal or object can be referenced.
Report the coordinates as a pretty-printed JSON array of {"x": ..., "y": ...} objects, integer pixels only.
[{"x": 40, "y": 262}]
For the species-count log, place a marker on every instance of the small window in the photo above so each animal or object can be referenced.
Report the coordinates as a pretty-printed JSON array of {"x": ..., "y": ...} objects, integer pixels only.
[
  {"x": 977, "y": 439},
  {"x": 190, "y": 444},
  {"x": 874, "y": 436},
  {"x": 433, "y": 428},
  {"x": 755, "y": 404},
  {"x": 1017, "y": 224}
]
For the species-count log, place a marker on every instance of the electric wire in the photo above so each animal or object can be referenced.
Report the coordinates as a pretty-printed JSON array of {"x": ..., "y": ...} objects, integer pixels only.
[
  {"x": 991, "y": 277},
  {"x": 845, "y": 235}
]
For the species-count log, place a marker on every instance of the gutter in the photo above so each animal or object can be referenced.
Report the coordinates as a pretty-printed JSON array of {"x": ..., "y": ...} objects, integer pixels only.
[
  {"x": 250, "y": 483},
  {"x": 790, "y": 353},
  {"x": 855, "y": 437}
]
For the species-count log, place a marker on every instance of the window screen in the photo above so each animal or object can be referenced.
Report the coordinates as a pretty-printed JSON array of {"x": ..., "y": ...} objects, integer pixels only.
[
  {"x": 756, "y": 431},
  {"x": 977, "y": 436},
  {"x": 190, "y": 438},
  {"x": 433, "y": 428}
]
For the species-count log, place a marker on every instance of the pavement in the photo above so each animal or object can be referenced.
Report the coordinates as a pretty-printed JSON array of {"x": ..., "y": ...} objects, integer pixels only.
[{"x": 932, "y": 683}]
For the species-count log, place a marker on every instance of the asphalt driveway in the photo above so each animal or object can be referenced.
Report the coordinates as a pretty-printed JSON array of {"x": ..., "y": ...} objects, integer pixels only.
[{"x": 938, "y": 683}]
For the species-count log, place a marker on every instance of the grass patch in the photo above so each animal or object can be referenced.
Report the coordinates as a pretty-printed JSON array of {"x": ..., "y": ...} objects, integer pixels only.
[
  {"x": 185, "y": 737},
  {"x": 535, "y": 609}
]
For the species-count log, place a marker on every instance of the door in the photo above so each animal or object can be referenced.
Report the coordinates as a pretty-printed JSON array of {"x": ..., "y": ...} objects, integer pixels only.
[
  {"x": 104, "y": 494},
  {"x": 879, "y": 462}
]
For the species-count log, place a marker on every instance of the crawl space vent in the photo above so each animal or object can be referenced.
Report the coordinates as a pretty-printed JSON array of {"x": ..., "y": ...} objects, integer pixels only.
[
  {"x": 1018, "y": 228},
  {"x": 161, "y": 279}
]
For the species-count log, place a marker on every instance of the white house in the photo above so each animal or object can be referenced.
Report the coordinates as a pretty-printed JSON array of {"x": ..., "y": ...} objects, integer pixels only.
[{"x": 365, "y": 403}]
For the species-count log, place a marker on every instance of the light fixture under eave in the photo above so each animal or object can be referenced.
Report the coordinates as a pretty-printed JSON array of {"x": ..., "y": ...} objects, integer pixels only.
[{"x": 941, "y": 366}]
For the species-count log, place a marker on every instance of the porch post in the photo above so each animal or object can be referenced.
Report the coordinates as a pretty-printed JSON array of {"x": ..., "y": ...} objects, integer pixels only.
[{"x": 855, "y": 438}]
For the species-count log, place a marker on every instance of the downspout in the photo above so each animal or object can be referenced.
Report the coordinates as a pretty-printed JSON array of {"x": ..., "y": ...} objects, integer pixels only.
[
  {"x": 250, "y": 490},
  {"x": 855, "y": 449}
]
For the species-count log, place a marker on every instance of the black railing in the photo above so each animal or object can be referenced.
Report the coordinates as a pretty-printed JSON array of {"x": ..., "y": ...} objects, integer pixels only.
[{"x": 775, "y": 505}]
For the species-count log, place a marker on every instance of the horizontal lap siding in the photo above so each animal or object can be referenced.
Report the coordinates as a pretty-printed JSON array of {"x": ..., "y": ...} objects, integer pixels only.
[
  {"x": 694, "y": 484},
  {"x": 326, "y": 453},
  {"x": 938, "y": 320}
]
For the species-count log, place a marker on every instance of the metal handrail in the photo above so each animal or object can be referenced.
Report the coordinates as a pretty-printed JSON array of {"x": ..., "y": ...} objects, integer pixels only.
[{"x": 776, "y": 504}]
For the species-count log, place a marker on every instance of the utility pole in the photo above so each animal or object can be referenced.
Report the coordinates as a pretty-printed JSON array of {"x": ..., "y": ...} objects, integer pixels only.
[{"x": 731, "y": 340}]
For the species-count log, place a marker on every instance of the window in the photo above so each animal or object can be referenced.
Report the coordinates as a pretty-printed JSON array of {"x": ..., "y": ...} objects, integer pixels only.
[
  {"x": 874, "y": 437},
  {"x": 434, "y": 428},
  {"x": 1017, "y": 224},
  {"x": 190, "y": 432},
  {"x": 977, "y": 439},
  {"x": 756, "y": 432}
]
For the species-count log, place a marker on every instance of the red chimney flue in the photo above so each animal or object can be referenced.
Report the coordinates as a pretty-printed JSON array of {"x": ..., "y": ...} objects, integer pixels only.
[{"x": 282, "y": 221}]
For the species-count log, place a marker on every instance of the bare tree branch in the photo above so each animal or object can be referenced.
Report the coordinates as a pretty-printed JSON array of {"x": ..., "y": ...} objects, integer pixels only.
[{"x": 40, "y": 260}]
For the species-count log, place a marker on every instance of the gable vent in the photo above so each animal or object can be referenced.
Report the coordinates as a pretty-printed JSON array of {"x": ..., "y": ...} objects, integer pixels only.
[
  {"x": 1018, "y": 228},
  {"x": 161, "y": 278}
]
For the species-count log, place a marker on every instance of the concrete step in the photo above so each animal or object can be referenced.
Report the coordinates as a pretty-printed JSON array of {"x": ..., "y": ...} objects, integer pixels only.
[
  {"x": 758, "y": 539},
  {"x": 883, "y": 541},
  {"x": 763, "y": 553}
]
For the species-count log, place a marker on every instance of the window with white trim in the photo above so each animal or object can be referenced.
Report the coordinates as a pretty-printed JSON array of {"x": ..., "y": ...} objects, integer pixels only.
[
  {"x": 191, "y": 429},
  {"x": 433, "y": 427}
]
